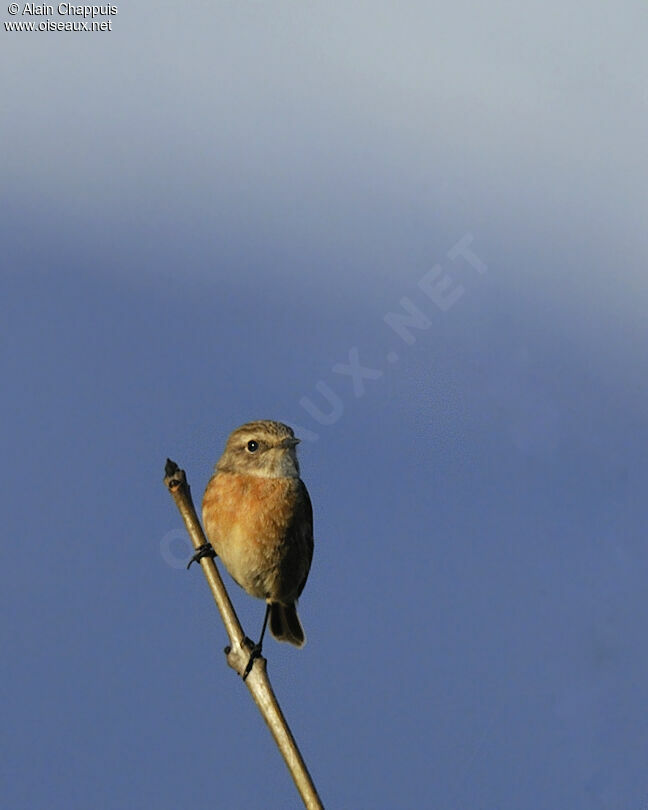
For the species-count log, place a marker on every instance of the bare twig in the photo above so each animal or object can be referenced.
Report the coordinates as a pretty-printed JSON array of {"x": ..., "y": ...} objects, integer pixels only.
[{"x": 238, "y": 653}]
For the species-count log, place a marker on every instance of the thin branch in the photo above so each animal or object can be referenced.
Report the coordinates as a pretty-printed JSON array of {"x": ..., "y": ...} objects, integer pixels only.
[{"x": 238, "y": 653}]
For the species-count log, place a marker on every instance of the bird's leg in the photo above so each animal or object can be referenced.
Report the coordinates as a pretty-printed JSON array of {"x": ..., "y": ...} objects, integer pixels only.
[
  {"x": 256, "y": 650},
  {"x": 206, "y": 550}
]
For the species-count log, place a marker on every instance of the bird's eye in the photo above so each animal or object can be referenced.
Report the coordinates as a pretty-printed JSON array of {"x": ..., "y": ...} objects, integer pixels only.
[{"x": 252, "y": 446}]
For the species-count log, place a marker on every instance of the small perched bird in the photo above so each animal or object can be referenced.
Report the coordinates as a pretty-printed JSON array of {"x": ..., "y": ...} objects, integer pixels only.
[{"x": 258, "y": 517}]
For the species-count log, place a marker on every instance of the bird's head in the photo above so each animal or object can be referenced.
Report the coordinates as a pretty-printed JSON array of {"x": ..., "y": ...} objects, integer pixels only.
[{"x": 264, "y": 448}]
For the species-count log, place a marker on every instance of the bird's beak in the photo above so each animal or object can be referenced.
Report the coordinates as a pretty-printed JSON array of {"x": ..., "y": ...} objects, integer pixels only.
[{"x": 290, "y": 442}]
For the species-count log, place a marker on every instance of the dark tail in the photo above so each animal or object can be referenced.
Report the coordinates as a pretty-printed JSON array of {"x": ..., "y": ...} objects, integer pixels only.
[{"x": 285, "y": 624}]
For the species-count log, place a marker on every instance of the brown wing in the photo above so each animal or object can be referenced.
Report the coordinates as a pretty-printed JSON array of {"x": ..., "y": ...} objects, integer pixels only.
[{"x": 304, "y": 525}]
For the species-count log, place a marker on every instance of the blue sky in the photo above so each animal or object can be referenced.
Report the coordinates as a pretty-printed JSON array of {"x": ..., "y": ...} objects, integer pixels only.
[{"x": 205, "y": 211}]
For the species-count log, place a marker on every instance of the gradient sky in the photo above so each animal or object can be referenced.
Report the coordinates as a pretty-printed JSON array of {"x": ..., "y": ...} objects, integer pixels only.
[{"x": 204, "y": 212}]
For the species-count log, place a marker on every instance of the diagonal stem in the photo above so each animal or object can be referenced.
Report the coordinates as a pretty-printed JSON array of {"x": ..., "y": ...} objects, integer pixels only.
[{"x": 238, "y": 653}]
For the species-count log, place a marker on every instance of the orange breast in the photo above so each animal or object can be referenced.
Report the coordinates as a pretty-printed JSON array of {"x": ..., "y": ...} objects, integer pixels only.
[{"x": 247, "y": 520}]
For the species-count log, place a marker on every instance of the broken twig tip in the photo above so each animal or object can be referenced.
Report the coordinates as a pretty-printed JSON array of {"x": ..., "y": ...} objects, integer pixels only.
[{"x": 174, "y": 477}]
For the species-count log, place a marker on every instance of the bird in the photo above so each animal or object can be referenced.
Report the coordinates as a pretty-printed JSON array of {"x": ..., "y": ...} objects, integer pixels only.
[{"x": 258, "y": 517}]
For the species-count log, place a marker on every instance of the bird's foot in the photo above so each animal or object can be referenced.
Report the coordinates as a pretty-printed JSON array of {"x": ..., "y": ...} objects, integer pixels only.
[
  {"x": 206, "y": 550},
  {"x": 255, "y": 652}
]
